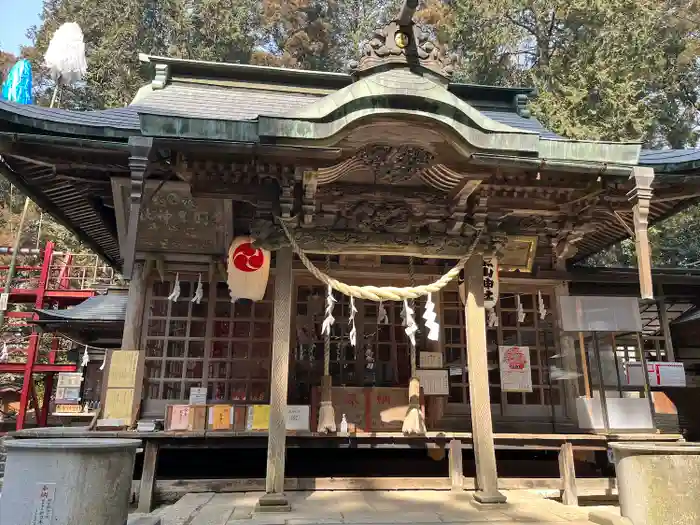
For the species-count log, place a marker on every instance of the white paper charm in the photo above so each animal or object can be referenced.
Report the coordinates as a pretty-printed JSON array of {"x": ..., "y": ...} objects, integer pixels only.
[
  {"x": 541, "y": 308},
  {"x": 86, "y": 358},
  {"x": 430, "y": 318},
  {"x": 492, "y": 319},
  {"x": 409, "y": 322},
  {"x": 175, "y": 294},
  {"x": 199, "y": 292},
  {"x": 519, "y": 309},
  {"x": 353, "y": 328},
  {"x": 382, "y": 315},
  {"x": 329, "y": 319}
]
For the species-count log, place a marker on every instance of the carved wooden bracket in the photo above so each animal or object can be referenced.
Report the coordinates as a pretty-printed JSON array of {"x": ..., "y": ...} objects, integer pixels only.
[
  {"x": 640, "y": 197},
  {"x": 139, "y": 162}
]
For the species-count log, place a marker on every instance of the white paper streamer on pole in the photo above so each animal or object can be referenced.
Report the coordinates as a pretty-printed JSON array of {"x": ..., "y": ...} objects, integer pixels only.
[
  {"x": 329, "y": 319},
  {"x": 409, "y": 322},
  {"x": 519, "y": 309},
  {"x": 199, "y": 293},
  {"x": 175, "y": 294},
  {"x": 430, "y": 317},
  {"x": 86, "y": 357},
  {"x": 353, "y": 328},
  {"x": 542, "y": 309}
]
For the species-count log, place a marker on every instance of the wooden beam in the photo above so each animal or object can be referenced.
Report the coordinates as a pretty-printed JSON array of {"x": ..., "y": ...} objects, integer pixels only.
[
  {"x": 477, "y": 363},
  {"x": 171, "y": 490},
  {"x": 274, "y": 499},
  {"x": 148, "y": 477},
  {"x": 567, "y": 472}
]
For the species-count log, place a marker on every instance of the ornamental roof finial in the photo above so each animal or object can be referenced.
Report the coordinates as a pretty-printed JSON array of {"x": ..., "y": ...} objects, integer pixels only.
[{"x": 408, "y": 9}]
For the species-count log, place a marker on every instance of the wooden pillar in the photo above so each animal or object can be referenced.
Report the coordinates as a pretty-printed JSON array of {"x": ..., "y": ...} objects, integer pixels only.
[
  {"x": 456, "y": 467},
  {"x": 567, "y": 350},
  {"x": 567, "y": 473},
  {"x": 640, "y": 197},
  {"x": 665, "y": 325},
  {"x": 477, "y": 364},
  {"x": 124, "y": 370},
  {"x": 148, "y": 476},
  {"x": 274, "y": 499}
]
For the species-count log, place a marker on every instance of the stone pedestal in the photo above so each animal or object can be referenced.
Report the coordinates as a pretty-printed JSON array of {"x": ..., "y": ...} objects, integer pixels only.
[
  {"x": 67, "y": 481},
  {"x": 658, "y": 483}
]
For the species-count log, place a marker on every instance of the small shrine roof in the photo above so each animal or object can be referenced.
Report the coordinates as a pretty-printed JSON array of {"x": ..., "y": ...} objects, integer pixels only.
[{"x": 107, "y": 308}]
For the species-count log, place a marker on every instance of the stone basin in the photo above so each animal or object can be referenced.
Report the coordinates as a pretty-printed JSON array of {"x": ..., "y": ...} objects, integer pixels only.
[{"x": 658, "y": 483}]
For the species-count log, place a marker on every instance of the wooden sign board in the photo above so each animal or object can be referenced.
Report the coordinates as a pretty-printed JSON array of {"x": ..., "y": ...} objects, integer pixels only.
[
  {"x": 185, "y": 417},
  {"x": 368, "y": 409},
  {"x": 258, "y": 418},
  {"x": 434, "y": 382},
  {"x": 298, "y": 418},
  {"x": 121, "y": 384},
  {"x": 431, "y": 359},
  {"x": 388, "y": 407},
  {"x": 351, "y": 402}
]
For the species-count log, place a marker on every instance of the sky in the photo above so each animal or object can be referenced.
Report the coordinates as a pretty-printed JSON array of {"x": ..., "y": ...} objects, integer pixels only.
[{"x": 17, "y": 16}]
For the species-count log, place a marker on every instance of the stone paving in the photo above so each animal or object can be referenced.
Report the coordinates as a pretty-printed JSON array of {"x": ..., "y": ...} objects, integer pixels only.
[{"x": 376, "y": 507}]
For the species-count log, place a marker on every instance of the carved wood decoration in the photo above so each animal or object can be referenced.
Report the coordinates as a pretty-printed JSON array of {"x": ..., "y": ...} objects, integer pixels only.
[
  {"x": 395, "y": 44},
  {"x": 394, "y": 165}
]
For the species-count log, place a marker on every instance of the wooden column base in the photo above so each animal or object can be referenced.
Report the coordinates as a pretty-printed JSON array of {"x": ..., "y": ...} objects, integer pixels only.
[{"x": 273, "y": 502}]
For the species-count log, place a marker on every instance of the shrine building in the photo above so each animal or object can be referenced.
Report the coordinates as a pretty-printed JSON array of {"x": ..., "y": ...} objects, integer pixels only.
[{"x": 383, "y": 258}]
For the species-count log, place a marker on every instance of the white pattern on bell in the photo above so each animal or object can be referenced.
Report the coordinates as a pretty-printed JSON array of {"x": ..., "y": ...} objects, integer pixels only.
[{"x": 65, "y": 56}]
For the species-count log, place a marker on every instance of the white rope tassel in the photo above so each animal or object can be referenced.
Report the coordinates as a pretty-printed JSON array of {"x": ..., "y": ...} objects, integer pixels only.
[
  {"x": 542, "y": 309},
  {"x": 5, "y": 354},
  {"x": 329, "y": 319},
  {"x": 104, "y": 362},
  {"x": 86, "y": 357},
  {"x": 430, "y": 318},
  {"x": 175, "y": 294},
  {"x": 353, "y": 328},
  {"x": 199, "y": 292},
  {"x": 519, "y": 309},
  {"x": 409, "y": 322},
  {"x": 382, "y": 315},
  {"x": 492, "y": 319}
]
